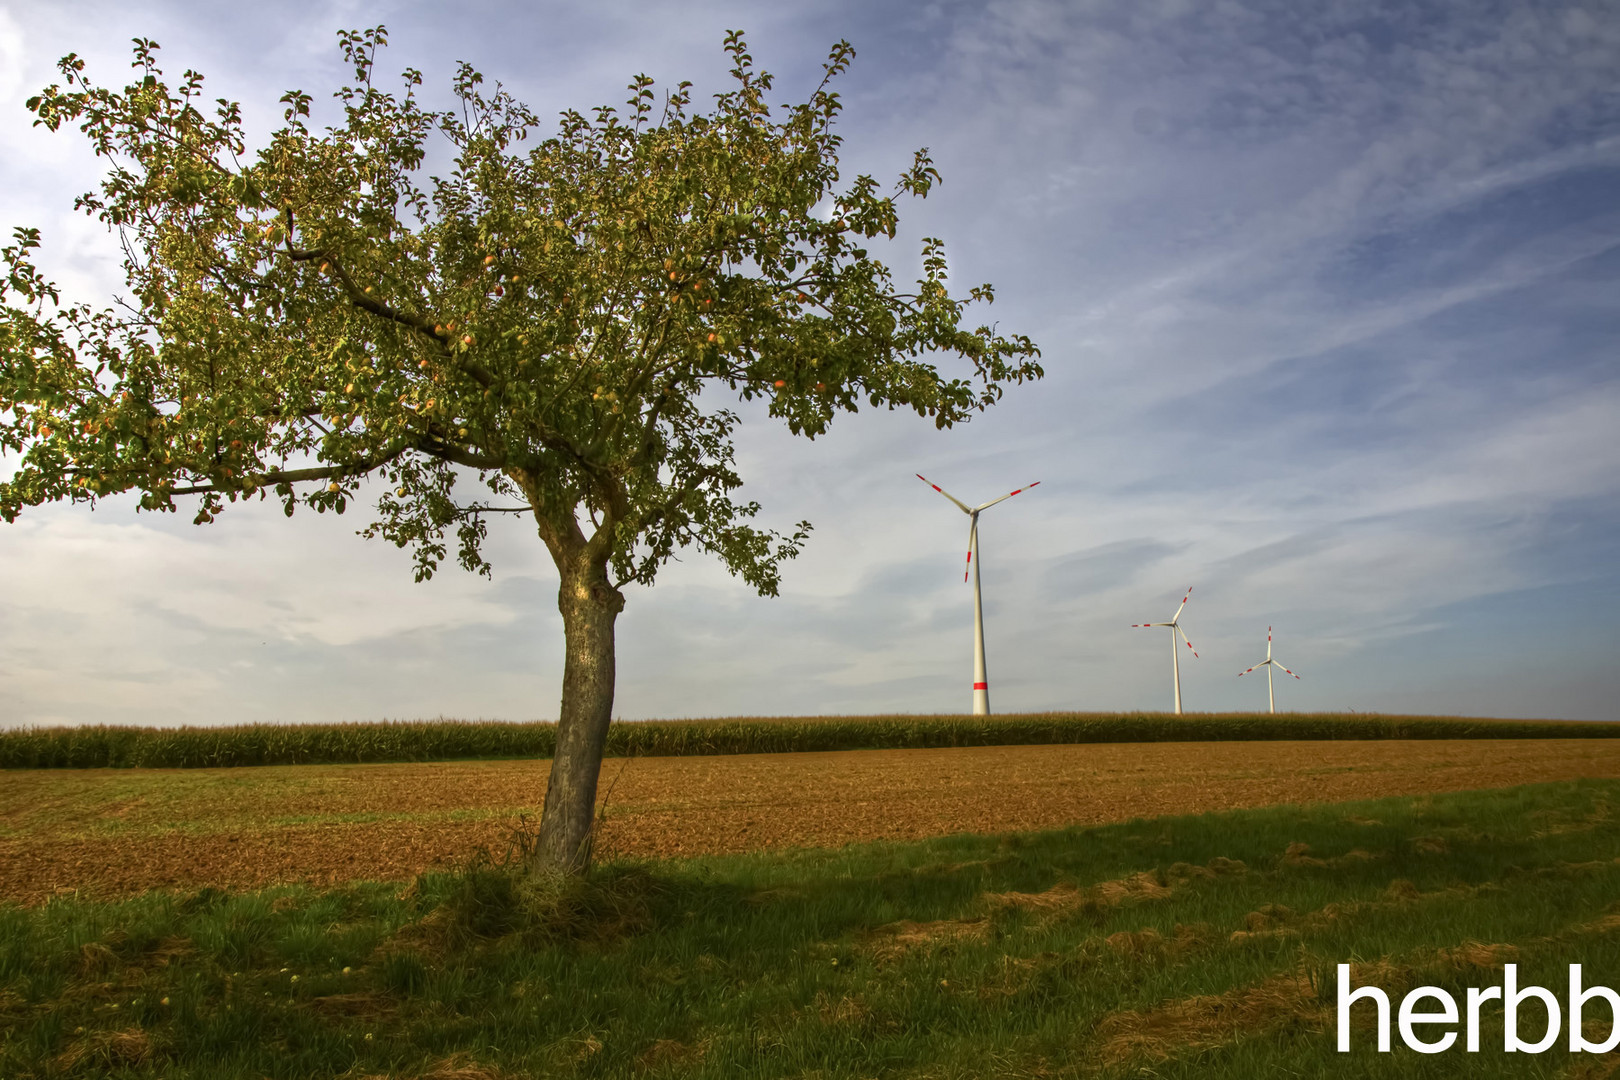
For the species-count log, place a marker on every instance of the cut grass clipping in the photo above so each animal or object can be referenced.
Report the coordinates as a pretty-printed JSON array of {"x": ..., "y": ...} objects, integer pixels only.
[
  {"x": 444, "y": 740},
  {"x": 1174, "y": 947}
]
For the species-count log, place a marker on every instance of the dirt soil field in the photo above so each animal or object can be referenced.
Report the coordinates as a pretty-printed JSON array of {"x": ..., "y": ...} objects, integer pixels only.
[{"x": 112, "y": 832}]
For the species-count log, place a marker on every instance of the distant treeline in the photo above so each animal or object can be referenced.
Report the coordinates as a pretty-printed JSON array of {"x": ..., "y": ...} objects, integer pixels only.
[{"x": 441, "y": 740}]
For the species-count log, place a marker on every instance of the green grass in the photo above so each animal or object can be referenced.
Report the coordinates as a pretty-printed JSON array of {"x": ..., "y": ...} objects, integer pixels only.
[
  {"x": 443, "y": 740},
  {"x": 790, "y": 964}
]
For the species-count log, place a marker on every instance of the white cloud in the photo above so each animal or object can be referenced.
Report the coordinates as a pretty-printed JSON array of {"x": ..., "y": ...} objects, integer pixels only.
[
  {"x": 11, "y": 56},
  {"x": 260, "y": 576}
]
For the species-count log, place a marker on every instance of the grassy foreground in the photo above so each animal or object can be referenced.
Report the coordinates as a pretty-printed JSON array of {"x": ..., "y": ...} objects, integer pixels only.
[
  {"x": 1190, "y": 946},
  {"x": 444, "y": 740}
]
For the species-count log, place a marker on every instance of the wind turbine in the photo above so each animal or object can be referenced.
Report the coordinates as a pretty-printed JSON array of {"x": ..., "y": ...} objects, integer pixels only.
[
  {"x": 1268, "y": 663},
  {"x": 1175, "y": 630},
  {"x": 981, "y": 681}
]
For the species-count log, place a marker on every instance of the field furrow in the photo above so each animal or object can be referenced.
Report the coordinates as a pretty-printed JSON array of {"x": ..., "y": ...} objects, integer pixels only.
[{"x": 119, "y": 831}]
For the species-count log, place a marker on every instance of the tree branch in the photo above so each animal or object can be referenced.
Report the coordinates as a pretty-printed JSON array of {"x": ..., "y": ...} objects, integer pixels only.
[
  {"x": 298, "y": 476},
  {"x": 458, "y": 455},
  {"x": 357, "y": 296}
]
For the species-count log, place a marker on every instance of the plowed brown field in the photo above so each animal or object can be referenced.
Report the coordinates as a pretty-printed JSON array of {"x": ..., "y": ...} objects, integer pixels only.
[{"x": 114, "y": 832}]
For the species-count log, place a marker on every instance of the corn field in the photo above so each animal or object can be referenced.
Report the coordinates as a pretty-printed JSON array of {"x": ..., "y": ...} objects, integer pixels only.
[{"x": 107, "y": 746}]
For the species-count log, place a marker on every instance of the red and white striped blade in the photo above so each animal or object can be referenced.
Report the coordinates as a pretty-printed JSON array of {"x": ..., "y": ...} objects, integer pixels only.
[
  {"x": 1138, "y": 625},
  {"x": 973, "y": 542},
  {"x": 1285, "y": 669},
  {"x": 1004, "y": 498},
  {"x": 962, "y": 505},
  {"x": 1184, "y": 638},
  {"x": 1184, "y": 600}
]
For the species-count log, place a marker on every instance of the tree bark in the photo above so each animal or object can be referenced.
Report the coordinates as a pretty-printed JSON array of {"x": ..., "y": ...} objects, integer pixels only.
[{"x": 590, "y": 606}]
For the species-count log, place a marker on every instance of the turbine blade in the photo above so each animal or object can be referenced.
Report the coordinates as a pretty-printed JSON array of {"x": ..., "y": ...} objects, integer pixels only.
[
  {"x": 1184, "y": 638},
  {"x": 1004, "y": 498},
  {"x": 960, "y": 504},
  {"x": 1285, "y": 669},
  {"x": 1184, "y": 600}
]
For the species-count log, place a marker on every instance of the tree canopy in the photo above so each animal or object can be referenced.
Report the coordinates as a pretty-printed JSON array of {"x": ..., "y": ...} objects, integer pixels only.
[{"x": 558, "y": 321}]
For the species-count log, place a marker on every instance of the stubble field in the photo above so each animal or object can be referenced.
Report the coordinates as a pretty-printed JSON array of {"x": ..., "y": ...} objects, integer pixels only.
[{"x": 115, "y": 832}]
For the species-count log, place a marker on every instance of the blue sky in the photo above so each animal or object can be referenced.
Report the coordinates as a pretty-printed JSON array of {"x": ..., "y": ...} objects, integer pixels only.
[{"x": 1327, "y": 299}]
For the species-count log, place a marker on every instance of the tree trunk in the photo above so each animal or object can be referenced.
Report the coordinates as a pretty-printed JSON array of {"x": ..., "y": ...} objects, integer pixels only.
[{"x": 590, "y": 606}]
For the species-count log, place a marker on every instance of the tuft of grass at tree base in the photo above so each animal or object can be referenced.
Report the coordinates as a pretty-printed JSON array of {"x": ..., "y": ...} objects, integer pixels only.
[
  {"x": 108, "y": 746},
  {"x": 1200, "y": 946}
]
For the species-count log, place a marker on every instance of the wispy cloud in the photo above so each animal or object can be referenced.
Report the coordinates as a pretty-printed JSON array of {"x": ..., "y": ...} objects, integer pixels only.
[{"x": 1326, "y": 298}]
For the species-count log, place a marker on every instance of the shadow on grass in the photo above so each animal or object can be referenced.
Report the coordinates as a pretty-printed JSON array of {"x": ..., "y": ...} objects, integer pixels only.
[{"x": 1111, "y": 949}]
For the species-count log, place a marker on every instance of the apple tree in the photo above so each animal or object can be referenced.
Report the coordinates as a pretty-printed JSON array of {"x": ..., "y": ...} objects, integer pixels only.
[{"x": 561, "y": 323}]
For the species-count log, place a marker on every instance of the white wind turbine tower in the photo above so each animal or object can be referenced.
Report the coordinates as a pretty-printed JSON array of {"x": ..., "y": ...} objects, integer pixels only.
[
  {"x": 1268, "y": 663},
  {"x": 1175, "y": 631},
  {"x": 981, "y": 681}
]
